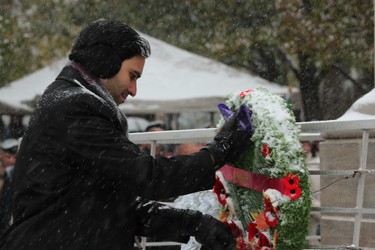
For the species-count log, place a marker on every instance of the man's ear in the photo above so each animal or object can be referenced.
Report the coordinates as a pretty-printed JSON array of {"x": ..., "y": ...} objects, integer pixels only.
[{"x": 100, "y": 60}]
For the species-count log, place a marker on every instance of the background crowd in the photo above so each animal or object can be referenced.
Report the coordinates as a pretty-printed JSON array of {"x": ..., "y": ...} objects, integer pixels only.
[{"x": 9, "y": 141}]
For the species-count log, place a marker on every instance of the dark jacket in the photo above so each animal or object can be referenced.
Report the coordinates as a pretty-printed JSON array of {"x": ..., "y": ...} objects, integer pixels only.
[{"x": 77, "y": 175}]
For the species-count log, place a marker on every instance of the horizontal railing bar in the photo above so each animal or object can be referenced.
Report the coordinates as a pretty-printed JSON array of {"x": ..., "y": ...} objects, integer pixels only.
[
  {"x": 344, "y": 210},
  {"x": 321, "y": 247},
  {"x": 334, "y": 125},
  {"x": 310, "y": 131},
  {"x": 311, "y": 137},
  {"x": 342, "y": 172},
  {"x": 174, "y": 136},
  {"x": 162, "y": 243},
  {"x": 313, "y": 164},
  {"x": 331, "y": 172},
  {"x": 335, "y": 247},
  {"x": 313, "y": 237}
]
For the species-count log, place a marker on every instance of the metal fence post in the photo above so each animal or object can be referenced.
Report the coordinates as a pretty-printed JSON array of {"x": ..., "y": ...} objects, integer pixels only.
[{"x": 361, "y": 187}]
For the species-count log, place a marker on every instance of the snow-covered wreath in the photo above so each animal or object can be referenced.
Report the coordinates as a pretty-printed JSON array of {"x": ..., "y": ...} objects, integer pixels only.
[{"x": 265, "y": 196}]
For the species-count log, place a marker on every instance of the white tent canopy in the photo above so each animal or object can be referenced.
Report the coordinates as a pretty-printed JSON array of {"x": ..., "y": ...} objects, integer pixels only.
[
  {"x": 173, "y": 81},
  {"x": 14, "y": 98}
]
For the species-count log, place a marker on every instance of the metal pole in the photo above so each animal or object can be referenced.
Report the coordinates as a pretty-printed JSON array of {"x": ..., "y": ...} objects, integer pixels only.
[
  {"x": 361, "y": 188},
  {"x": 153, "y": 148}
]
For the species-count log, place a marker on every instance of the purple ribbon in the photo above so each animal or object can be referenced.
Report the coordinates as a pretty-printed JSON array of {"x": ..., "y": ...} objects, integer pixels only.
[{"x": 243, "y": 116}]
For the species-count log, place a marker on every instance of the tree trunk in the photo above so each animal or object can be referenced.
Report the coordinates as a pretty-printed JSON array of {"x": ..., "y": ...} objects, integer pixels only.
[{"x": 309, "y": 88}]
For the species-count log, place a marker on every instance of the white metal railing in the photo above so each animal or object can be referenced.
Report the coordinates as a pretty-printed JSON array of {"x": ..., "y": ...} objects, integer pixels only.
[{"x": 310, "y": 131}]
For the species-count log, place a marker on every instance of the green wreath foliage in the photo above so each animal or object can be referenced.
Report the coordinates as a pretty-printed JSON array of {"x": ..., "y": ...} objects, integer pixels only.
[{"x": 276, "y": 131}]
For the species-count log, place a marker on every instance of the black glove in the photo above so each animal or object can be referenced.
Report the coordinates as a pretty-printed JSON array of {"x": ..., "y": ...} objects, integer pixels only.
[
  {"x": 208, "y": 231},
  {"x": 229, "y": 143},
  {"x": 168, "y": 223}
]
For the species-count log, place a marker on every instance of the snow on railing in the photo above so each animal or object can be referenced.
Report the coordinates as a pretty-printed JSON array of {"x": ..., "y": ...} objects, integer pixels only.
[{"x": 310, "y": 131}]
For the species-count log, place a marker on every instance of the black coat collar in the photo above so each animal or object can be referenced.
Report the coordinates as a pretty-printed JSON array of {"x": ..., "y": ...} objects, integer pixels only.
[{"x": 94, "y": 85}]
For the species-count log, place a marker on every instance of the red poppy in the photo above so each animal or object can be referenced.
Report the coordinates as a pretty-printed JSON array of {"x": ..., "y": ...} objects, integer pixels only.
[
  {"x": 293, "y": 193},
  {"x": 245, "y": 92},
  {"x": 270, "y": 213},
  {"x": 291, "y": 180},
  {"x": 219, "y": 190},
  {"x": 266, "y": 151},
  {"x": 292, "y": 189}
]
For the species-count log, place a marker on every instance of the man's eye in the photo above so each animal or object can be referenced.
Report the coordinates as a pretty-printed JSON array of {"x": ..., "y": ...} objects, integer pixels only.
[{"x": 133, "y": 76}]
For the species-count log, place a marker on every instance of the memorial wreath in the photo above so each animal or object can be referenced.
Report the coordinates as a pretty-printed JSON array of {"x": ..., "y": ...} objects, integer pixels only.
[{"x": 265, "y": 196}]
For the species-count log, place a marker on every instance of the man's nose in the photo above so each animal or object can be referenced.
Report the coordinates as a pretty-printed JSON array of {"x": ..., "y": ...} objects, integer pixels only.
[{"x": 133, "y": 89}]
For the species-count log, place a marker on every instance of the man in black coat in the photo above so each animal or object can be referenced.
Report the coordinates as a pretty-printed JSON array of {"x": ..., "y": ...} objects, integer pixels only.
[{"x": 79, "y": 183}]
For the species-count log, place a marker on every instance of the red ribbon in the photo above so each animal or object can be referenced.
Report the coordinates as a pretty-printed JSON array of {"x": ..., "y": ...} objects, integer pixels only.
[{"x": 251, "y": 180}]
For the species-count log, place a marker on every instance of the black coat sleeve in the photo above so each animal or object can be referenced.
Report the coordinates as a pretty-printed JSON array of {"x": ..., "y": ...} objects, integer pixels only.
[{"x": 96, "y": 142}]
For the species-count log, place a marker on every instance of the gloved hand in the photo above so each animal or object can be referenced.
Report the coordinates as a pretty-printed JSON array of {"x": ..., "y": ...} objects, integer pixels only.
[
  {"x": 208, "y": 231},
  {"x": 229, "y": 143},
  {"x": 168, "y": 223}
]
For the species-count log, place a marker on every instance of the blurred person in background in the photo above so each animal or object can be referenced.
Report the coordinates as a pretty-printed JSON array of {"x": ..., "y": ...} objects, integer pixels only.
[
  {"x": 3, "y": 129},
  {"x": 160, "y": 150},
  {"x": 8, "y": 154},
  {"x": 16, "y": 128}
]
